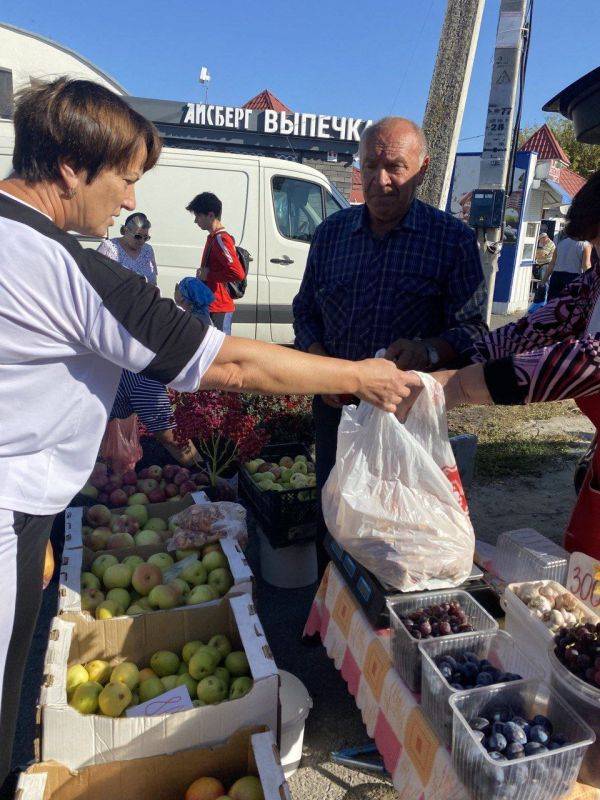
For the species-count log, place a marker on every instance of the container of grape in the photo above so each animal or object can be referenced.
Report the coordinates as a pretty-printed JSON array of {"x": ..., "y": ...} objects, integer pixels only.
[
  {"x": 448, "y": 614},
  {"x": 517, "y": 742},
  {"x": 473, "y": 661},
  {"x": 574, "y": 658}
]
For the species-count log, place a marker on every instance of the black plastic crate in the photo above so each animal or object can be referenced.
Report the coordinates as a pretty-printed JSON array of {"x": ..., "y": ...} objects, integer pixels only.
[{"x": 284, "y": 518}]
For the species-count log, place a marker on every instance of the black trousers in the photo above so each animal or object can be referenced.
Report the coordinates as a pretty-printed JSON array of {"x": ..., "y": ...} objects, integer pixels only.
[
  {"x": 23, "y": 539},
  {"x": 326, "y": 420}
]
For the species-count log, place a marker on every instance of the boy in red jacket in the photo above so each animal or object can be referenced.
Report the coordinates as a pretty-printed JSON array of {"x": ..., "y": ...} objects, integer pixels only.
[{"x": 220, "y": 261}]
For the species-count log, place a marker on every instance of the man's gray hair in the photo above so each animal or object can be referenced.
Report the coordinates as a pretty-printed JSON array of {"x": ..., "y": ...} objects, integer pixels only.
[{"x": 387, "y": 122}]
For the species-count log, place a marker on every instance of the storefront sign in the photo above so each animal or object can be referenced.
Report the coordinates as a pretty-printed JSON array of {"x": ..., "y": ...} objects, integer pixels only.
[
  {"x": 314, "y": 126},
  {"x": 584, "y": 580}
]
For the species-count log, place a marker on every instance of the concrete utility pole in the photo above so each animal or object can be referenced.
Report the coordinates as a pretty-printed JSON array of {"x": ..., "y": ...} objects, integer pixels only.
[
  {"x": 448, "y": 94},
  {"x": 495, "y": 160}
]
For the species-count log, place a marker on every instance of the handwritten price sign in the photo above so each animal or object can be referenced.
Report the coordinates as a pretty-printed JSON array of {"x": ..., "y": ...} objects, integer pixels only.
[
  {"x": 177, "y": 699},
  {"x": 584, "y": 580}
]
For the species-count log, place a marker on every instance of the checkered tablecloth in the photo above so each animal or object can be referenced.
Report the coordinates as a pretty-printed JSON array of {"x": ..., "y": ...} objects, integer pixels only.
[{"x": 420, "y": 766}]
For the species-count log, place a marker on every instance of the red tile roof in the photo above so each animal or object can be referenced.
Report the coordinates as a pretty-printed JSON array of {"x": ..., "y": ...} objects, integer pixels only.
[
  {"x": 545, "y": 144},
  {"x": 570, "y": 181},
  {"x": 356, "y": 192},
  {"x": 266, "y": 100}
]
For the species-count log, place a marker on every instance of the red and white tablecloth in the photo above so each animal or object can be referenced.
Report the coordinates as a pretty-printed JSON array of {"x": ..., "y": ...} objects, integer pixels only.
[{"x": 420, "y": 766}]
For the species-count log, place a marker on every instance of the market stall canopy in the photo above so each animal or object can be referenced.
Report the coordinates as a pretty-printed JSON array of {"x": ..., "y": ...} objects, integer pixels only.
[{"x": 580, "y": 102}]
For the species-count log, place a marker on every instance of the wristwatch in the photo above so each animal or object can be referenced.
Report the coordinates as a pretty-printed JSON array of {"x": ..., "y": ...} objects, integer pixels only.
[{"x": 432, "y": 355}]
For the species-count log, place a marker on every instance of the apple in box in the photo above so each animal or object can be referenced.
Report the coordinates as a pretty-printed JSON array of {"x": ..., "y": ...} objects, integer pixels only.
[
  {"x": 118, "y": 497},
  {"x": 157, "y": 495},
  {"x": 147, "y": 485},
  {"x": 124, "y": 523},
  {"x": 98, "y": 515},
  {"x": 181, "y": 476}
]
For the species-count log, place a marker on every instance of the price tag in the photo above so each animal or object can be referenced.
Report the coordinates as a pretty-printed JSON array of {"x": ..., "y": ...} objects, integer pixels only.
[
  {"x": 584, "y": 580},
  {"x": 177, "y": 699}
]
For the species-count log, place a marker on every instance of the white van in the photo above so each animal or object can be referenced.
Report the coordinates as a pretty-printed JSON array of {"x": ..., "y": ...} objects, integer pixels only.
[{"x": 271, "y": 206}]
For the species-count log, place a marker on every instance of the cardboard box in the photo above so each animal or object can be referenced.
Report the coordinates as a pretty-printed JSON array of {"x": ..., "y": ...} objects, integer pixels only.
[
  {"x": 162, "y": 777},
  {"x": 77, "y": 740},
  {"x": 74, "y": 515},
  {"x": 77, "y": 560}
]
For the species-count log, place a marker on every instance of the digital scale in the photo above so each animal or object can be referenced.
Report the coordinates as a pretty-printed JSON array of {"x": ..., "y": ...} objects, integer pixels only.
[{"x": 373, "y": 595}]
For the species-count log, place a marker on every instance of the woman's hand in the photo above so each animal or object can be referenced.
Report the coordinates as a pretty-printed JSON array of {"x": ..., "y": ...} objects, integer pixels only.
[{"x": 383, "y": 385}]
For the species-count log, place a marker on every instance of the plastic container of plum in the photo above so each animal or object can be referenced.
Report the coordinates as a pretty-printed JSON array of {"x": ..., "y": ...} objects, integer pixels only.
[
  {"x": 530, "y": 632},
  {"x": 584, "y": 699},
  {"x": 545, "y": 776},
  {"x": 497, "y": 647},
  {"x": 405, "y": 648},
  {"x": 527, "y": 555}
]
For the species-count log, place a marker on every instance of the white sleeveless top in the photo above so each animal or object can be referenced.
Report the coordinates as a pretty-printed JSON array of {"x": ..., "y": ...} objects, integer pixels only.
[{"x": 144, "y": 264}]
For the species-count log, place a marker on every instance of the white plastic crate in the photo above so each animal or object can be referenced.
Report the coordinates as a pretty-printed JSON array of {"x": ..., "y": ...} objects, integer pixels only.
[
  {"x": 497, "y": 647},
  {"x": 405, "y": 648},
  {"x": 546, "y": 776},
  {"x": 525, "y": 554}
]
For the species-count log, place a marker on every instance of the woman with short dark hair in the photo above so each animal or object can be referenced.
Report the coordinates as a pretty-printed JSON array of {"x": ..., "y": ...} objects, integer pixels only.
[
  {"x": 132, "y": 248},
  {"x": 72, "y": 319}
]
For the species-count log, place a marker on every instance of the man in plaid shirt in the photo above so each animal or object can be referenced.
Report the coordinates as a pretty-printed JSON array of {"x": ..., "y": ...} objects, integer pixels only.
[{"x": 393, "y": 274}]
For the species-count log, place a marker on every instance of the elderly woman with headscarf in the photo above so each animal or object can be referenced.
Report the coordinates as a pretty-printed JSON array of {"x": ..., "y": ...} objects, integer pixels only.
[{"x": 195, "y": 296}]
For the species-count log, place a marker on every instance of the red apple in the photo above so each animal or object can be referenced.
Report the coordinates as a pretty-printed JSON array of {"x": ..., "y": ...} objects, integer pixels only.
[
  {"x": 145, "y": 577},
  {"x": 200, "y": 478},
  {"x": 170, "y": 471},
  {"x": 98, "y": 515},
  {"x": 155, "y": 472},
  {"x": 98, "y": 480},
  {"x": 129, "y": 489},
  {"x": 187, "y": 486},
  {"x": 119, "y": 540},
  {"x": 102, "y": 497},
  {"x": 143, "y": 473},
  {"x": 111, "y": 486},
  {"x": 264, "y": 468},
  {"x": 118, "y": 497},
  {"x": 130, "y": 478},
  {"x": 125, "y": 524},
  {"x": 157, "y": 496},
  {"x": 171, "y": 490},
  {"x": 182, "y": 475}
]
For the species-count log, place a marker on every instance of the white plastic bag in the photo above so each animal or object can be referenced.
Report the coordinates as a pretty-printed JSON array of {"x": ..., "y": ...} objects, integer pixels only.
[{"x": 394, "y": 499}]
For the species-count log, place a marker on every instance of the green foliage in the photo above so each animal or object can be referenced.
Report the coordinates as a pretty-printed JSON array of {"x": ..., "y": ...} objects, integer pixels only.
[{"x": 585, "y": 158}]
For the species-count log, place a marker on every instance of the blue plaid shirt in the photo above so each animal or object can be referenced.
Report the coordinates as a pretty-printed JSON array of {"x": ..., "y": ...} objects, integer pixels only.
[{"x": 360, "y": 293}]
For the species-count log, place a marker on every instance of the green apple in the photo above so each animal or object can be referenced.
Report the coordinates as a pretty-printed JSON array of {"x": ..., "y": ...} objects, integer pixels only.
[
  {"x": 91, "y": 599},
  {"x": 221, "y": 580},
  {"x": 147, "y": 537},
  {"x": 117, "y": 576},
  {"x": 182, "y": 668},
  {"x": 150, "y": 688},
  {"x": 89, "y": 581},
  {"x": 156, "y": 524},
  {"x": 133, "y": 561},
  {"x": 114, "y": 699},
  {"x": 98, "y": 670},
  {"x": 102, "y": 563},
  {"x": 76, "y": 675},
  {"x": 211, "y": 690},
  {"x": 89, "y": 491},
  {"x": 195, "y": 574},
  {"x": 222, "y": 644},
  {"x": 239, "y": 687},
  {"x": 138, "y": 499},
  {"x": 138, "y": 512},
  {"x": 286, "y": 462},
  {"x": 201, "y": 594},
  {"x": 300, "y": 467},
  {"x": 161, "y": 560},
  {"x": 181, "y": 587},
  {"x": 202, "y": 664},
  {"x": 237, "y": 663},
  {"x": 286, "y": 474},
  {"x": 300, "y": 458},
  {"x": 190, "y": 648},
  {"x": 126, "y": 672},
  {"x": 187, "y": 681},
  {"x": 170, "y": 682},
  {"x": 163, "y": 597},
  {"x": 134, "y": 609},
  {"x": 120, "y": 597},
  {"x": 164, "y": 662},
  {"x": 247, "y": 788},
  {"x": 85, "y": 697},
  {"x": 299, "y": 481},
  {"x": 214, "y": 560},
  {"x": 109, "y": 609},
  {"x": 223, "y": 674}
]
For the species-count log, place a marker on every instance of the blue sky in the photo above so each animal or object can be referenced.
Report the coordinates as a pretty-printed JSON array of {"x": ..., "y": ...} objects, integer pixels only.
[{"x": 353, "y": 58}]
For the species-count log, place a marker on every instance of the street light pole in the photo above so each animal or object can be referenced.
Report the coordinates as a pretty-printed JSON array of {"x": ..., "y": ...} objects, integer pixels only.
[{"x": 448, "y": 94}]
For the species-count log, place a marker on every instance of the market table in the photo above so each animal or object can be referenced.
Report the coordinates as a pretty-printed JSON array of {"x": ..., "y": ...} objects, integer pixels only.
[{"x": 420, "y": 765}]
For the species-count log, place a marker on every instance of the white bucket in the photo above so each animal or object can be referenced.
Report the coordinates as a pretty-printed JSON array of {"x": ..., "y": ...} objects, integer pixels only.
[
  {"x": 292, "y": 567},
  {"x": 295, "y": 706}
]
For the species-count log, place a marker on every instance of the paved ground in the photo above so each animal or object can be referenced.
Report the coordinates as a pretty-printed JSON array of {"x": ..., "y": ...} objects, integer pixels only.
[{"x": 335, "y": 723}]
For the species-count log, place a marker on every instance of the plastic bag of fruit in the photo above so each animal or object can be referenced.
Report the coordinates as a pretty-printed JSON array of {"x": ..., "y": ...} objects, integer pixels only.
[
  {"x": 203, "y": 523},
  {"x": 394, "y": 499},
  {"x": 121, "y": 448}
]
